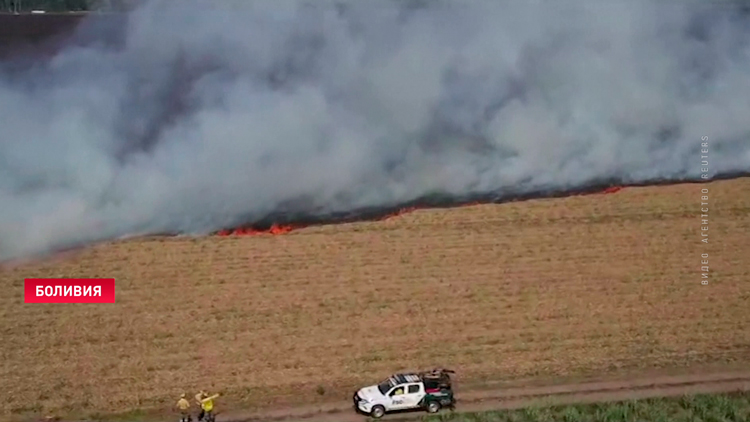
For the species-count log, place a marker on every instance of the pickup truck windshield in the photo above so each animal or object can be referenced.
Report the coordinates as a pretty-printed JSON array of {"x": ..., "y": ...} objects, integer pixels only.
[{"x": 385, "y": 386}]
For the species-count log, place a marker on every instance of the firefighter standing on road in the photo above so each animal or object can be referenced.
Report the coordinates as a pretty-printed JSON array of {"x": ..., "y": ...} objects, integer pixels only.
[
  {"x": 184, "y": 406},
  {"x": 198, "y": 398},
  {"x": 207, "y": 405}
]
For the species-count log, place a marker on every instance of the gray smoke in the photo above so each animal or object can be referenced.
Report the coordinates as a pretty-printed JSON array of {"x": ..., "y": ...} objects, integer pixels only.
[{"x": 213, "y": 113}]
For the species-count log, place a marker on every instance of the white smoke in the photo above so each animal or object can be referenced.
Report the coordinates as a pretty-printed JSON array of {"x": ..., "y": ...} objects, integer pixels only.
[{"x": 215, "y": 113}]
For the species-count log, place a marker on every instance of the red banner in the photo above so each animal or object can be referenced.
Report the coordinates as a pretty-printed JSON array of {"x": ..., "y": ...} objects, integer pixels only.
[{"x": 69, "y": 290}]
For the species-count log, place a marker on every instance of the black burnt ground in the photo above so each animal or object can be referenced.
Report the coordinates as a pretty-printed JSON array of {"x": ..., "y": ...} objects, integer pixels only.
[{"x": 292, "y": 218}]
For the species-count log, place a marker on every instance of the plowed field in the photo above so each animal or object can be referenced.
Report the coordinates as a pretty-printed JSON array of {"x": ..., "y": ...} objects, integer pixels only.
[{"x": 541, "y": 289}]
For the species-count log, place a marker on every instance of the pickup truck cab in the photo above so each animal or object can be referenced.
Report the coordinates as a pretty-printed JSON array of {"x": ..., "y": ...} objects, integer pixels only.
[{"x": 428, "y": 391}]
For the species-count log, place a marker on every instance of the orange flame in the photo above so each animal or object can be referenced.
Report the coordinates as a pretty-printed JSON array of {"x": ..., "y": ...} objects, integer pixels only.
[
  {"x": 275, "y": 229},
  {"x": 612, "y": 189}
]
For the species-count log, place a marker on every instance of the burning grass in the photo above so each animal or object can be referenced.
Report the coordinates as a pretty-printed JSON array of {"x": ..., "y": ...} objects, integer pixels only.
[
  {"x": 357, "y": 216},
  {"x": 545, "y": 288}
]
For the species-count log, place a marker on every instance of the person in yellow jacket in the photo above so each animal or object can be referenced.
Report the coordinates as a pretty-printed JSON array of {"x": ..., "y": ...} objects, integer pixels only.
[
  {"x": 184, "y": 407},
  {"x": 207, "y": 405}
]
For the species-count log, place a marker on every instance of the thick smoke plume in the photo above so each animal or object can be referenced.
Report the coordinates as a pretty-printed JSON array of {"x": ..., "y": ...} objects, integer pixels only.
[{"x": 212, "y": 114}]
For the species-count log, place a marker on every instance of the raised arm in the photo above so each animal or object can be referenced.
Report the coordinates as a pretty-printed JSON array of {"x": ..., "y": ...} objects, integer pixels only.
[{"x": 209, "y": 398}]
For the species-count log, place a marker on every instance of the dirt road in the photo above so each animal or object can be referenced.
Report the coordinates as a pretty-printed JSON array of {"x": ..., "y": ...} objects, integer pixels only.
[{"x": 515, "y": 397}]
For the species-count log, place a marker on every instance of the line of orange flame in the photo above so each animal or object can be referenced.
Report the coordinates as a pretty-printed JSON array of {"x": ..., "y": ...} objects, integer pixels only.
[
  {"x": 402, "y": 211},
  {"x": 612, "y": 189},
  {"x": 275, "y": 229},
  {"x": 282, "y": 229}
]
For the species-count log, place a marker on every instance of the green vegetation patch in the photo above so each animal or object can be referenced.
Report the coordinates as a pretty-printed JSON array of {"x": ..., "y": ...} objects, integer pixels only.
[{"x": 730, "y": 407}]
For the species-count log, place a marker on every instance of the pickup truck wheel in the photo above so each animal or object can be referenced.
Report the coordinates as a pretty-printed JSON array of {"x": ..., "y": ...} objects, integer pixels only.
[
  {"x": 377, "y": 412},
  {"x": 433, "y": 407}
]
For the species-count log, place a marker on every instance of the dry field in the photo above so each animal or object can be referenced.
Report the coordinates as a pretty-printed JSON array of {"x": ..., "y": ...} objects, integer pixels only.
[{"x": 539, "y": 289}]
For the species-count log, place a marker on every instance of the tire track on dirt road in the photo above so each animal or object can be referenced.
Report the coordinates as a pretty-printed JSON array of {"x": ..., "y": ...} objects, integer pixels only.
[{"x": 517, "y": 397}]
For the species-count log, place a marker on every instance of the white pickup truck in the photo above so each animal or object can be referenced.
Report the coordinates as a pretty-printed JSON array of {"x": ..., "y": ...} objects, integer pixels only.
[{"x": 428, "y": 391}]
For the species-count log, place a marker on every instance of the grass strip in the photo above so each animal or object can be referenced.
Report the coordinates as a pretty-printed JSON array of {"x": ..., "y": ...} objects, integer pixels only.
[{"x": 728, "y": 407}]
